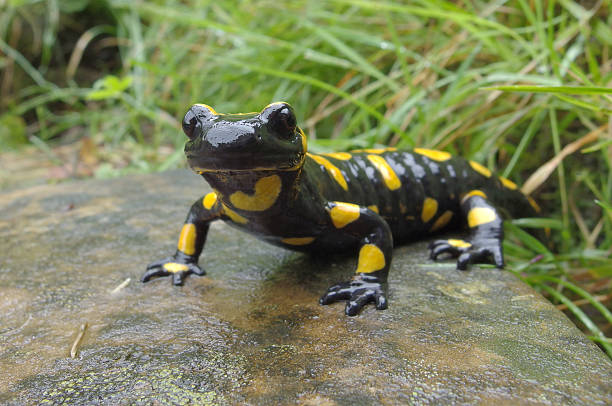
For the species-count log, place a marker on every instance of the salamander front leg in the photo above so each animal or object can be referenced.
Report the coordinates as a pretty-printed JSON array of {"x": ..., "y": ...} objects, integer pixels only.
[
  {"x": 375, "y": 251},
  {"x": 190, "y": 244},
  {"x": 484, "y": 245}
]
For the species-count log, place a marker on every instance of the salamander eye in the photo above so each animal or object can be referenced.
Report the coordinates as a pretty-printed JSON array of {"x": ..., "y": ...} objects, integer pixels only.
[
  {"x": 191, "y": 121},
  {"x": 280, "y": 119},
  {"x": 285, "y": 121}
]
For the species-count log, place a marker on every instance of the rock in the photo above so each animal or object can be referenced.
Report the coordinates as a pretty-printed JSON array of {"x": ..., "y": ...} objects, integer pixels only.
[{"x": 252, "y": 330}]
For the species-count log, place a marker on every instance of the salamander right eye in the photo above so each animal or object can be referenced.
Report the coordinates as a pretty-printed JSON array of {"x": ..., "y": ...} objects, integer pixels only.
[
  {"x": 194, "y": 117},
  {"x": 189, "y": 123}
]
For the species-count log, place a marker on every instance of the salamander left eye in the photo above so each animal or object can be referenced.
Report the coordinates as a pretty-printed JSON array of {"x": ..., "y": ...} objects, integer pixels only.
[{"x": 285, "y": 121}]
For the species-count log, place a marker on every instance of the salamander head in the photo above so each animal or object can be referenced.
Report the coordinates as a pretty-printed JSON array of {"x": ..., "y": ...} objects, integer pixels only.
[{"x": 269, "y": 140}]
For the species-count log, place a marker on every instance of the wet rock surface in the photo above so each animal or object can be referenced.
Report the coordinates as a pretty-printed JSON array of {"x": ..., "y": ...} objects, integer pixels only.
[{"x": 251, "y": 331}]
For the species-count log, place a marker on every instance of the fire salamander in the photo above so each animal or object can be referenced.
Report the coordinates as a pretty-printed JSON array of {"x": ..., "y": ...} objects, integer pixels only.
[{"x": 266, "y": 183}]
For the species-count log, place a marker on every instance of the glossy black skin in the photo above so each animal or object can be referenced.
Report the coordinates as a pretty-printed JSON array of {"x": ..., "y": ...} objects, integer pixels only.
[{"x": 234, "y": 152}]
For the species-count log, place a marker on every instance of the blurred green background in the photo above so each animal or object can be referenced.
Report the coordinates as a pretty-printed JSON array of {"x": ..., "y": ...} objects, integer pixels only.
[{"x": 92, "y": 88}]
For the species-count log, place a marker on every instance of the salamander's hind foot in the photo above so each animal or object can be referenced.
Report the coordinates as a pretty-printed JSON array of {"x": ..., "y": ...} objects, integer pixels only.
[
  {"x": 477, "y": 251},
  {"x": 358, "y": 292},
  {"x": 171, "y": 266}
]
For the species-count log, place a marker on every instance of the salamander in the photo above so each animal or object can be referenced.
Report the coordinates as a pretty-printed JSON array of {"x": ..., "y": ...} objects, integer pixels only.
[{"x": 266, "y": 182}]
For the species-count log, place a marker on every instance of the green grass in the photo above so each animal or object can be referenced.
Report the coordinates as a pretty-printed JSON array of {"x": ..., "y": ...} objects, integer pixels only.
[{"x": 509, "y": 84}]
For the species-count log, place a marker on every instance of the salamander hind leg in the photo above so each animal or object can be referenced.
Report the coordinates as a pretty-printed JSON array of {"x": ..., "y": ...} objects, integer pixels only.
[
  {"x": 374, "y": 258},
  {"x": 484, "y": 244}
]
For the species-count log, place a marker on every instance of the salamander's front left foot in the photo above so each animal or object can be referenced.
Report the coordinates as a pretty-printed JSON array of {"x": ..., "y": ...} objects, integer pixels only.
[
  {"x": 478, "y": 251},
  {"x": 359, "y": 291},
  {"x": 179, "y": 269}
]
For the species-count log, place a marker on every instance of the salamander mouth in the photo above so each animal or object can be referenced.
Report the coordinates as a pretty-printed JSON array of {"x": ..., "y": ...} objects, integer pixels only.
[{"x": 239, "y": 168}]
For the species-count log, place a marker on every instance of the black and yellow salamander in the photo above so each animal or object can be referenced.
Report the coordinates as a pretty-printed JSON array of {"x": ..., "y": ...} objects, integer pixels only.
[{"x": 266, "y": 183}]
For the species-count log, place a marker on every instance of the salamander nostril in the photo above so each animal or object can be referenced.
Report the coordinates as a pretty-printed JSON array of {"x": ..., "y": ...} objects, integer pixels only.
[{"x": 189, "y": 124}]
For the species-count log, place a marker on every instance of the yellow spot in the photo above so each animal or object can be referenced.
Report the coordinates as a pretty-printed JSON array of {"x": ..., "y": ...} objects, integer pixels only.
[
  {"x": 473, "y": 193},
  {"x": 389, "y": 177},
  {"x": 480, "y": 169},
  {"x": 206, "y": 106},
  {"x": 340, "y": 155},
  {"x": 298, "y": 240},
  {"x": 533, "y": 204},
  {"x": 374, "y": 208},
  {"x": 430, "y": 207},
  {"x": 209, "y": 200},
  {"x": 343, "y": 213},
  {"x": 459, "y": 243},
  {"x": 508, "y": 183},
  {"x": 266, "y": 192},
  {"x": 371, "y": 259},
  {"x": 433, "y": 154},
  {"x": 442, "y": 220},
  {"x": 186, "y": 242},
  {"x": 235, "y": 217},
  {"x": 175, "y": 267},
  {"x": 480, "y": 215},
  {"x": 331, "y": 169}
]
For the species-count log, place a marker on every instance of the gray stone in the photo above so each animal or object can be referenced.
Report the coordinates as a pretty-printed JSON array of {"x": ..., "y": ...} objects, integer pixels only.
[{"x": 252, "y": 330}]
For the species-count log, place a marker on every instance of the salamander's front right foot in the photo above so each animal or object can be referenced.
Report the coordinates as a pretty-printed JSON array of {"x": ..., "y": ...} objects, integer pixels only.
[{"x": 179, "y": 268}]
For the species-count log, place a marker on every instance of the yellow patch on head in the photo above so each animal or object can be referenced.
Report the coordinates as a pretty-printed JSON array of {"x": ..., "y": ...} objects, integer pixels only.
[
  {"x": 298, "y": 240},
  {"x": 343, "y": 156},
  {"x": 331, "y": 169},
  {"x": 175, "y": 267},
  {"x": 266, "y": 192},
  {"x": 480, "y": 169},
  {"x": 508, "y": 183},
  {"x": 480, "y": 215},
  {"x": 388, "y": 174},
  {"x": 343, "y": 214},
  {"x": 442, "y": 221},
  {"x": 433, "y": 154},
  {"x": 430, "y": 208},
  {"x": 235, "y": 217},
  {"x": 187, "y": 238},
  {"x": 207, "y": 107},
  {"x": 209, "y": 200},
  {"x": 473, "y": 193},
  {"x": 371, "y": 259},
  {"x": 459, "y": 243},
  {"x": 374, "y": 208}
]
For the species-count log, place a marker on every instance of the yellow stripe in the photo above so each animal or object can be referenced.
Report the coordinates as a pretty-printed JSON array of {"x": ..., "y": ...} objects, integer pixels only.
[
  {"x": 508, "y": 183},
  {"x": 433, "y": 154},
  {"x": 235, "y": 217},
  {"x": 430, "y": 207},
  {"x": 206, "y": 106},
  {"x": 389, "y": 177},
  {"x": 186, "y": 242},
  {"x": 343, "y": 214},
  {"x": 344, "y": 156},
  {"x": 473, "y": 193},
  {"x": 209, "y": 200},
  {"x": 533, "y": 204},
  {"x": 266, "y": 192},
  {"x": 331, "y": 169},
  {"x": 480, "y": 215},
  {"x": 175, "y": 267},
  {"x": 442, "y": 220},
  {"x": 298, "y": 240},
  {"x": 371, "y": 259},
  {"x": 459, "y": 243},
  {"x": 374, "y": 208},
  {"x": 480, "y": 169}
]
